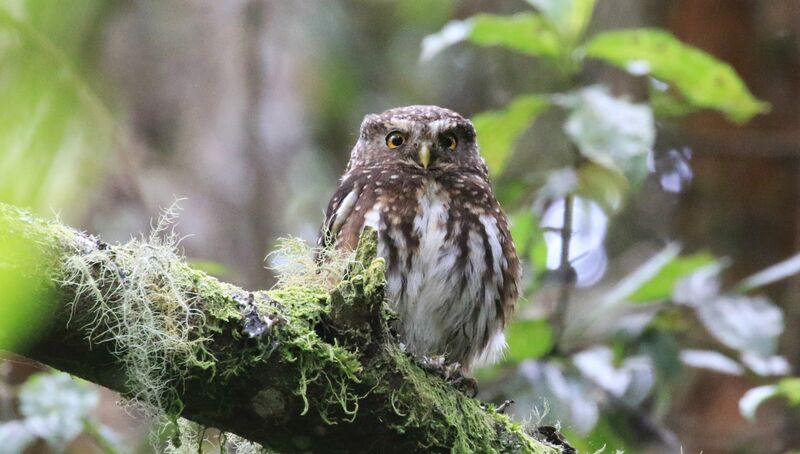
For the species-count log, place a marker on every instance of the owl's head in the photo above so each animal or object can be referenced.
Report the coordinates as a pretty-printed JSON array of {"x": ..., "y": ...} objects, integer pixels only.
[{"x": 420, "y": 139}]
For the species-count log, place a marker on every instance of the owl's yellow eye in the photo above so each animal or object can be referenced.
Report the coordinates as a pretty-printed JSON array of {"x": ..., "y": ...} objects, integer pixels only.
[
  {"x": 450, "y": 141},
  {"x": 395, "y": 139}
]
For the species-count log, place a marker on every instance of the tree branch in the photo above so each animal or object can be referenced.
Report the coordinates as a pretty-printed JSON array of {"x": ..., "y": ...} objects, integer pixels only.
[{"x": 321, "y": 372}]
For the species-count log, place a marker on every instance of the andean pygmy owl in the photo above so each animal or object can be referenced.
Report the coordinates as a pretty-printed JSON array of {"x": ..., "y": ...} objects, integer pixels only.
[{"x": 416, "y": 176}]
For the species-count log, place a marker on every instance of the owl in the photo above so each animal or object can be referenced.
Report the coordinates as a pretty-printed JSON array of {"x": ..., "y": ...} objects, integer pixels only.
[{"x": 416, "y": 176}]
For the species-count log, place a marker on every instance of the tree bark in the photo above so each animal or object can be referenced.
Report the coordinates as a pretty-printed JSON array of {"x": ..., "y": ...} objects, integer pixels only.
[{"x": 298, "y": 368}]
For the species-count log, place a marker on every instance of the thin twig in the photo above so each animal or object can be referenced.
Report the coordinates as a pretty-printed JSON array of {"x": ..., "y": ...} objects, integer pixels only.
[{"x": 565, "y": 271}]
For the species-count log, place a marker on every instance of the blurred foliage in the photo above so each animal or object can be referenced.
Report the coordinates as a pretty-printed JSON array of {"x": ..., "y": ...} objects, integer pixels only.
[
  {"x": 659, "y": 287},
  {"x": 54, "y": 134},
  {"x": 589, "y": 349},
  {"x": 506, "y": 127},
  {"x": 25, "y": 306},
  {"x": 609, "y": 345},
  {"x": 54, "y": 130},
  {"x": 56, "y": 409}
]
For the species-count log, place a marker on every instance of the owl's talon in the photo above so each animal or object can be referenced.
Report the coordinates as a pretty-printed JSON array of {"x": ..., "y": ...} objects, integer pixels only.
[
  {"x": 500, "y": 408},
  {"x": 469, "y": 386},
  {"x": 450, "y": 372},
  {"x": 504, "y": 406}
]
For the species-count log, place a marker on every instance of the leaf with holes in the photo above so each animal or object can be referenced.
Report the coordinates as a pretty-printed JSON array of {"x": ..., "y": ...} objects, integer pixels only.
[{"x": 704, "y": 80}]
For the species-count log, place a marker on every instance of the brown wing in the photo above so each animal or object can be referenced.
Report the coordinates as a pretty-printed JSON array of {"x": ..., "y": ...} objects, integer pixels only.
[{"x": 344, "y": 217}]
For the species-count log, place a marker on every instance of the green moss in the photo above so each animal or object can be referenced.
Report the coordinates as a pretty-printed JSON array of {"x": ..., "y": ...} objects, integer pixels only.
[
  {"x": 330, "y": 368},
  {"x": 450, "y": 419}
]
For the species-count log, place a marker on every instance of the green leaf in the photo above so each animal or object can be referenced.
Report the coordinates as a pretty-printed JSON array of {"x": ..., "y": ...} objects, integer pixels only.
[
  {"x": 639, "y": 277},
  {"x": 529, "y": 240},
  {"x": 522, "y": 222},
  {"x": 569, "y": 17},
  {"x": 528, "y": 33},
  {"x": 604, "y": 185},
  {"x": 661, "y": 285},
  {"x": 789, "y": 388},
  {"x": 25, "y": 300},
  {"x": 538, "y": 253},
  {"x": 528, "y": 339},
  {"x": 704, "y": 80},
  {"x": 670, "y": 104},
  {"x": 499, "y": 130}
]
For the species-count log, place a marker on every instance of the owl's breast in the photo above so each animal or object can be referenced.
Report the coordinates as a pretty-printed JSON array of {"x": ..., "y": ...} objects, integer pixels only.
[{"x": 443, "y": 269}]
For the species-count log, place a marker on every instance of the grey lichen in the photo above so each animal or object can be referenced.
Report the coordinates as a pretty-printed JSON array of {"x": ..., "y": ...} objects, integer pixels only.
[{"x": 143, "y": 305}]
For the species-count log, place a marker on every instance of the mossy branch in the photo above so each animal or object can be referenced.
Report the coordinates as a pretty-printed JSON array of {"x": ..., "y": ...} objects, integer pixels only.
[{"x": 297, "y": 368}]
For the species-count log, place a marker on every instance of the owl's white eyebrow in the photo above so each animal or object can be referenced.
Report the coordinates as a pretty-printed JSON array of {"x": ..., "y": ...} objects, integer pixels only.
[
  {"x": 438, "y": 126},
  {"x": 403, "y": 125}
]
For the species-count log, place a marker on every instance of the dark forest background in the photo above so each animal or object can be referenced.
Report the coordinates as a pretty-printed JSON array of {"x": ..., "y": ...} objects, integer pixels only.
[{"x": 248, "y": 110}]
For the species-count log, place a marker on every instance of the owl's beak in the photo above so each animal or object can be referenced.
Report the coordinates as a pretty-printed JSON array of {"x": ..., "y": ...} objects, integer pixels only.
[{"x": 424, "y": 155}]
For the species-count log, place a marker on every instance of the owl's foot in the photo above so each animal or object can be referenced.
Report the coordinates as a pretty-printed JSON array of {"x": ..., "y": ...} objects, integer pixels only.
[
  {"x": 467, "y": 385},
  {"x": 500, "y": 408},
  {"x": 450, "y": 372},
  {"x": 438, "y": 365},
  {"x": 552, "y": 436}
]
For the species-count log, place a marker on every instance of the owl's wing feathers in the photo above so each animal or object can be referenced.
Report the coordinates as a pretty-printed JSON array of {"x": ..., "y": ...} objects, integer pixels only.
[{"x": 339, "y": 210}]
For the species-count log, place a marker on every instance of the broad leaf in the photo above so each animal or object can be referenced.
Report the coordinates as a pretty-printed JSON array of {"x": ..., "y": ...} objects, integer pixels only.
[
  {"x": 604, "y": 185},
  {"x": 790, "y": 389},
  {"x": 528, "y": 339},
  {"x": 525, "y": 32},
  {"x": 499, "y": 130},
  {"x": 661, "y": 285},
  {"x": 610, "y": 130},
  {"x": 669, "y": 103},
  {"x": 631, "y": 381},
  {"x": 644, "y": 273},
  {"x": 704, "y": 80},
  {"x": 569, "y": 17},
  {"x": 528, "y": 33},
  {"x": 743, "y": 323}
]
